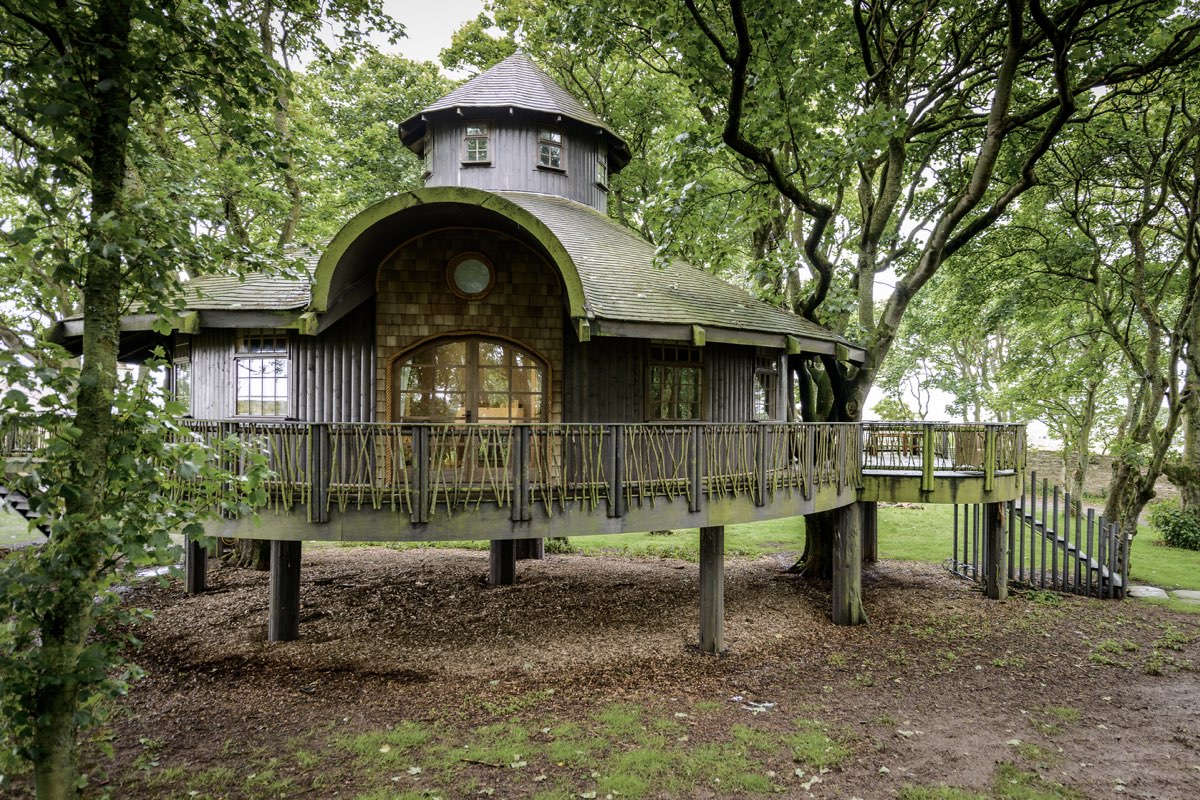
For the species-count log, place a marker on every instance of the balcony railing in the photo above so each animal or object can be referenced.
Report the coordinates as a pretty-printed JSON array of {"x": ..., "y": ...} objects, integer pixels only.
[
  {"x": 431, "y": 471},
  {"x": 932, "y": 448},
  {"x": 428, "y": 470}
]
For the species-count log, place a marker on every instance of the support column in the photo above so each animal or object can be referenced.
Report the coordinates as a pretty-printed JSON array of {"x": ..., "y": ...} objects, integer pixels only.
[
  {"x": 995, "y": 545},
  {"x": 870, "y": 524},
  {"x": 530, "y": 549},
  {"x": 284, "y": 616},
  {"x": 502, "y": 563},
  {"x": 195, "y": 566},
  {"x": 712, "y": 590},
  {"x": 847, "y": 566}
]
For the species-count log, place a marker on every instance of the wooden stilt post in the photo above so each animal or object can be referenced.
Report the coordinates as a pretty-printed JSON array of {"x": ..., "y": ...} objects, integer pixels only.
[
  {"x": 195, "y": 566},
  {"x": 712, "y": 590},
  {"x": 847, "y": 566},
  {"x": 996, "y": 551},
  {"x": 502, "y": 563},
  {"x": 870, "y": 526},
  {"x": 284, "y": 615}
]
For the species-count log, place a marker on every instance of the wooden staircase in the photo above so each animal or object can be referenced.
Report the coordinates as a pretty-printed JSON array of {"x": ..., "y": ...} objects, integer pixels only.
[
  {"x": 1052, "y": 545},
  {"x": 19, "y": 504}
]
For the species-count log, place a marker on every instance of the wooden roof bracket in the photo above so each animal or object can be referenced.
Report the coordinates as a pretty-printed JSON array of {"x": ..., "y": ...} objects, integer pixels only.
[
  {"x": 583, "y": 329},
  {"x": 308, "y": 323},
  {"x": 188, "y": 322},
  {"x": 698, "y": 335}
]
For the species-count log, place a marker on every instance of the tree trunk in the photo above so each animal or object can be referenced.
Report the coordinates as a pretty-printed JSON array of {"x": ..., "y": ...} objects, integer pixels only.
[
  {"x": 252, "y": 554},
  {"x": 817, "y": 559},
  {"x": 72, "y": 556}
]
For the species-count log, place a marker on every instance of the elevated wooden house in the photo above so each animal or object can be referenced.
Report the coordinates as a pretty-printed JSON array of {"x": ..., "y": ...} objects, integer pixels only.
[{"x": 492, "y": 356}]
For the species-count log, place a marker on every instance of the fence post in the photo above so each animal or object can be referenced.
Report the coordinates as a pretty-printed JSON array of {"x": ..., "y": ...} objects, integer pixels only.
[
  {"x": 322, "y": 468},
  {"x": 616, "y": 475},
  {"x": 229, "y": 461},
  {"x": 760, "y": 465},
  {"x": 518, "y": 459},
  {"x": 1127, "y": 543},
  {"x": 421, "y": 473},
  {"x": 695, "y": 482},
  {"x": 927, "y": 458},
  {"x": 989, "y": 458}
]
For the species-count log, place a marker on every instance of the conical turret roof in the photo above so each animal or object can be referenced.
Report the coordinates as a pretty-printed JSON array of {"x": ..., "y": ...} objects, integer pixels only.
[{"x": 516, "y": 82}]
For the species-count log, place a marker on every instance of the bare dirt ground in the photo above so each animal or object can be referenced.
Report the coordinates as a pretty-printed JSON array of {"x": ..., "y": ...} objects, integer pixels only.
[{"x": 941, "y": 686}]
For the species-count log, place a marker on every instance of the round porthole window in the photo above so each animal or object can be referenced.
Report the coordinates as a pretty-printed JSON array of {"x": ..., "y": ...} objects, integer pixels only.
[{"x": 470, "y": 276}]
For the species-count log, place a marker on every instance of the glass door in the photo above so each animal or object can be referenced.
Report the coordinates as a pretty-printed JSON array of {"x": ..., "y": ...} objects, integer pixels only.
[{"x": 469, "y": 380}]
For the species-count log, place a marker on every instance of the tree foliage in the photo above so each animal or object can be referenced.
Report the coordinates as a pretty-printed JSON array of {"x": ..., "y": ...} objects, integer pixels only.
[{"x": 126, "y": 127}]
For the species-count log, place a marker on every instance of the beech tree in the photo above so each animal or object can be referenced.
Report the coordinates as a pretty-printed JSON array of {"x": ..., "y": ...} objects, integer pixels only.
[
  {"x": 902, "y": 128},
  {"x": 101, "y": 202}
]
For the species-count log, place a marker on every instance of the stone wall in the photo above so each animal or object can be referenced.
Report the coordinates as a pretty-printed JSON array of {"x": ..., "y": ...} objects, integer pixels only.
[{"x": 414, "y": 302}]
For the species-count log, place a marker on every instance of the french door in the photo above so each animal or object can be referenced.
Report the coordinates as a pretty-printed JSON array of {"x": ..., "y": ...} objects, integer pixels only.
[{"x": 472, "y": 379}]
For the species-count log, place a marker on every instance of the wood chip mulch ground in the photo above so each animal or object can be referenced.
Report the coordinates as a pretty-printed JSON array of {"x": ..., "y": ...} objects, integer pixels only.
[{"x": 933, "y": 690}]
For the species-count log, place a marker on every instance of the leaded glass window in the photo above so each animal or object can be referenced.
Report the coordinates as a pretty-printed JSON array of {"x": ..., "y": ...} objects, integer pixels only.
[
  {"x": 261, "y": 365},
  {"x": 675, "y": 382}
]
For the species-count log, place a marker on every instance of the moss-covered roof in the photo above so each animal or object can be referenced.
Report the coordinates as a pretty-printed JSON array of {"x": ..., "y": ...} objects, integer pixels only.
[
  {"x": 619, "y": 284},
  {"x": 256, "y": 290},
  {"x": 622, "y": 282}
]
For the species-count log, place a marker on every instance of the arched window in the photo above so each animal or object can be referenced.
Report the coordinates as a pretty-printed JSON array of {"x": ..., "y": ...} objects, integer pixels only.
[{"x": 472, "y": 379}]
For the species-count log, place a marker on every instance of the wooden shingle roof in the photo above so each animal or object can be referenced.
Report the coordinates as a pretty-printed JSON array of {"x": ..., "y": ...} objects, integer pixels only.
[
  {"x": 623, "y": 282},
  {"x": 516, "y": 82}
]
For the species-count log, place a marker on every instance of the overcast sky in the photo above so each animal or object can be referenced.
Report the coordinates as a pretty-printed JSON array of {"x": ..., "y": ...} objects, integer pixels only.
[{"x": 428, "y": 25}]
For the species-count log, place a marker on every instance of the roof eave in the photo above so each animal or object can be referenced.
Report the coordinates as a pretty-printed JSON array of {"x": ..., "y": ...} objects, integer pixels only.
[{"x": 679, "y": 332}]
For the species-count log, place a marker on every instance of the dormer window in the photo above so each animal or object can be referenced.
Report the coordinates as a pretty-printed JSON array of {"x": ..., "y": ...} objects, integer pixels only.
[
  {"x": 550, "y": 149},
  {"x": 478, "y": 150},
  {"x": 602, "y": 167}
]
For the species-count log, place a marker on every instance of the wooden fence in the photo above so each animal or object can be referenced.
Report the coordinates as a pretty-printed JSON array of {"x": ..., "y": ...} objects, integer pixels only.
[{"x": 1052, "y": 544}]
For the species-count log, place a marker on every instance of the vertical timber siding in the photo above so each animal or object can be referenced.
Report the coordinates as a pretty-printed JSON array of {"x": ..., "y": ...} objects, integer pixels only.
[
  {"x": 514, "y": 151},
  {"x": 334, "y": 373},
  {"x": 332, "y": 376},
  {"x": 212, "y": 373},
  {"x": 605, "y": 381},
  {"x": 414, "y": 303}
]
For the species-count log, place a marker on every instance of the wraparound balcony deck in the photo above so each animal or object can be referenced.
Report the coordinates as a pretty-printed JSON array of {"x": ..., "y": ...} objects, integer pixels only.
[
  {"x": 396, "y": 482},
  {"x": 383, "y": 482}
]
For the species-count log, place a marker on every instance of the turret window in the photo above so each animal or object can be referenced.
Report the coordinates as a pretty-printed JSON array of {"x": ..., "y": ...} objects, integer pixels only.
[
  {"x": 602, "y": 167},
  {"x": 478, "y": 150},
  {"x": 550, "y": 149},
  {"x": 427, "y": 154}
]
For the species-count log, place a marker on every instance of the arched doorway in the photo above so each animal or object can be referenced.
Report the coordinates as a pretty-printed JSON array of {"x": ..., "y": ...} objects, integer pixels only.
[{"x": 469, "y": 379}]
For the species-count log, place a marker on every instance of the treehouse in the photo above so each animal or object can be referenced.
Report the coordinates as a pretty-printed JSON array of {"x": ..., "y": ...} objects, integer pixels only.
[{"x": 493, "y": 357}]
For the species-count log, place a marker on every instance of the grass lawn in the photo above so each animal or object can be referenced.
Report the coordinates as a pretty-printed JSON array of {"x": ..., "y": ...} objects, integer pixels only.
[
  {"x": 1154, "y": 563},
  {"x": 907, "y": 534},
  {"x": 14, "y": 530}
]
